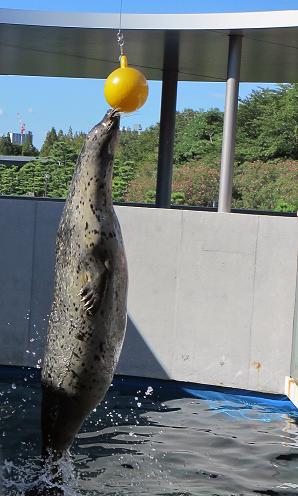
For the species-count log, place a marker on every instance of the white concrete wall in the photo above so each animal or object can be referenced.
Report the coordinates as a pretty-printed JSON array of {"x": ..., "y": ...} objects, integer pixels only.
[
  {"x": 294, "y": 363},
  {"x": 211, "y": 296}
]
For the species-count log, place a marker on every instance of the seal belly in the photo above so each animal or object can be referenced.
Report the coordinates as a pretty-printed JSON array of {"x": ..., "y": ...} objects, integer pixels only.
[{"x": 73, "y": 335}]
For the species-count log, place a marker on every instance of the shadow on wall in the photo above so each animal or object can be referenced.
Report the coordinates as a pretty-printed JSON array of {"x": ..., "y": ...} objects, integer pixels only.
[
  {"x": 137, "y": 358},
  {"x": 27, "y": 259}
]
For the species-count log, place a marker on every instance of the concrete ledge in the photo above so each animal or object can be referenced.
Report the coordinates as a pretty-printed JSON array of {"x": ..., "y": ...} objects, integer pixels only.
[{"x": 291, "y": 390}]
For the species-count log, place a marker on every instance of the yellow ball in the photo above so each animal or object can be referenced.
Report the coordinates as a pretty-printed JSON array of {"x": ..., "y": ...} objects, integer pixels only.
[{"x": 126, "y": 88}]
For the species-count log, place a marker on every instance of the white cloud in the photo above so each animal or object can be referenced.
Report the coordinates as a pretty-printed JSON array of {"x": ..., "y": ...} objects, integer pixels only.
[
  {"x": 30, "y": 110},
  {"x": 1, "y": 111}
]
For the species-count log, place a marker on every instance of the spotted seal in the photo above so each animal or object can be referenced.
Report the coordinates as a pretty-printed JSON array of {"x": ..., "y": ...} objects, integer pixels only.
[{"x": 88, "y": 317}]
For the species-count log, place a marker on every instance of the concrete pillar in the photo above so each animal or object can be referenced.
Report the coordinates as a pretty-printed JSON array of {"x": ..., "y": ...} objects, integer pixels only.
[
  {"x": 230, "y": 121},
  {"x": 167, "y": 121}
]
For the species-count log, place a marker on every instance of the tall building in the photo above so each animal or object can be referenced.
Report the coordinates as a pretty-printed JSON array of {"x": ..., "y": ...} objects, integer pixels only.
[
  {"x": 137, "y": 127},
  {"x": 20, "y": 139}
]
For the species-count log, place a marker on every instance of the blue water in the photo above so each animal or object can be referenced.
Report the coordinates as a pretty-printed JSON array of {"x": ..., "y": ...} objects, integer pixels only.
[{"x": 157, "y": 438}]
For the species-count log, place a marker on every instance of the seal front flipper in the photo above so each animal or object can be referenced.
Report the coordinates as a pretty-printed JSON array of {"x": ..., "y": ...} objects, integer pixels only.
[
  {"x": 93, "y": 292},
  {"x": 89, "y": 299}
]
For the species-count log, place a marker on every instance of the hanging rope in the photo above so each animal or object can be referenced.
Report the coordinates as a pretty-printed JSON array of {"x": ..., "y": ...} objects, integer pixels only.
[{"x": 120, "y": 37}]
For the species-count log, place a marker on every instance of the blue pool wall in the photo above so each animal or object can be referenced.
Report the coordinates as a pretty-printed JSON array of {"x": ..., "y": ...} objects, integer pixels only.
[
  {"x": 211, "y": 296},
  {"x": 236, "y": 403}
]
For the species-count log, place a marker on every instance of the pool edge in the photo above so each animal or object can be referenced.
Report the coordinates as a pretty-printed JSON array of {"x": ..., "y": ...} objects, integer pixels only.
[
  {"x": 291, "y": 390},
  {"x": 205, "y": 391}
]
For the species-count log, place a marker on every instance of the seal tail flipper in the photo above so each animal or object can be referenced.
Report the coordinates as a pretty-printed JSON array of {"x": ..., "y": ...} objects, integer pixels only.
[{"x": 61, "y": 419}]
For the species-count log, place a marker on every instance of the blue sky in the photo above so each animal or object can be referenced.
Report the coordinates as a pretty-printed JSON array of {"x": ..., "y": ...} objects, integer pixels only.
[
  {"x": 46, "y": 102},
  {"x": 147, "y": 6}
]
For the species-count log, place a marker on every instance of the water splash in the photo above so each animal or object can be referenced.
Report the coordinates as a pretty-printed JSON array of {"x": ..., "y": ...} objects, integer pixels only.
[
  {"x": 149, "y": 391},
  {"x": 25, "y": 475}
]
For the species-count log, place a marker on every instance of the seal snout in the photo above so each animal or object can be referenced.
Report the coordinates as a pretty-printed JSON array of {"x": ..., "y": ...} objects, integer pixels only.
[
  {"x": 110, "y": 121},
  {"x": 105, "y": 129},
  {"x": 114, "y": 113},
  {"x": 114, "y": 117}
]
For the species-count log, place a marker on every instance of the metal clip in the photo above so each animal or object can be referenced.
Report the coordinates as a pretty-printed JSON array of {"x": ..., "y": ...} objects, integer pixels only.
[{"x": 120, "y": 40}]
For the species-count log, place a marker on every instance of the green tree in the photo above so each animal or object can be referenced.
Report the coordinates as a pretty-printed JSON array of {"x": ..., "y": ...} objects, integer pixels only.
[
  {"x": 25, "y": 179},
  {"x": 142, "y": 187},
  {"x": 29, "y": 150},
  {"x": 51, "y": 139},
  {"x": 265, "y": 173},
  {"x": 178, "y": 198},
  {"x": 197, "y": 183},
  {"x": 194, "y": 183},
  {"x": 138, "y": 147},
  {"x": 267, "y": 186},
  {"x": 60, "y": 135},
  {"x": 78, "y": 141},
  {"x": 8, "y": 180},
  {"x": 268, "y": 124},
  {"x": 60, "y": 167},
  {"x": 8, "y": 148},
  {"x": 41, "y": 178},
  {"x": 122, "y": 175},
  {"x": 198, "y": 135},
  {"x": 69, "y": 133}
]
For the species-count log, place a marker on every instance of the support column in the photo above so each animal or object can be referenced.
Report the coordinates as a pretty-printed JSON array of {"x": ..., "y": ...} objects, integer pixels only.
[
  {"x": 167, "y": 121},
  {"x": 230, "y": 121}
]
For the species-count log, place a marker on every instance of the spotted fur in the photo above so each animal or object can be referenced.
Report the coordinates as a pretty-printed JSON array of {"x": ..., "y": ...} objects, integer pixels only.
[{"x": 88, "y": 317}]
